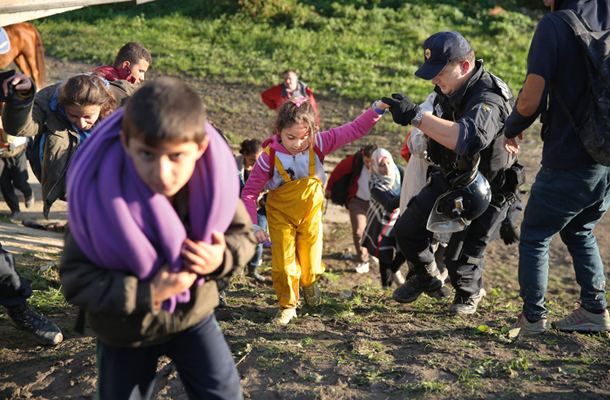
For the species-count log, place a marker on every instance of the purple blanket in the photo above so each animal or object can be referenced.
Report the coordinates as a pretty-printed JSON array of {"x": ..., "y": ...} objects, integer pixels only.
[{"x": 120, "y": 224}]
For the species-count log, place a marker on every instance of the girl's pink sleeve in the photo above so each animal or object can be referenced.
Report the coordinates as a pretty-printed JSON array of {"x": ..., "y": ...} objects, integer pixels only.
[
  {"x": 255, "y": 185},
  {"x": 334, "y": 138}
]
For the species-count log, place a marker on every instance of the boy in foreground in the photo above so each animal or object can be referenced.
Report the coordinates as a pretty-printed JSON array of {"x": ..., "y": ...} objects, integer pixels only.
[{"x": 155, "y": 221}]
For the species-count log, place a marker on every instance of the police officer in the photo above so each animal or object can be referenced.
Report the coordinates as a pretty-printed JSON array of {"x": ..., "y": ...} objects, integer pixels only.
[{"x": 465, "y": 141}]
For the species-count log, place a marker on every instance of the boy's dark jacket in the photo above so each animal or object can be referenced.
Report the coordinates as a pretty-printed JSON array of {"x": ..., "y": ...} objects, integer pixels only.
[
  {"x": 33, "y": 116},
  {"x": 120, "y": 308}
]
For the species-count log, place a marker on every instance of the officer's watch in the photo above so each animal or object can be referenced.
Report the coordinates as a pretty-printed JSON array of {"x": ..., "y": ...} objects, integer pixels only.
[{"x": 416, "y": 121}]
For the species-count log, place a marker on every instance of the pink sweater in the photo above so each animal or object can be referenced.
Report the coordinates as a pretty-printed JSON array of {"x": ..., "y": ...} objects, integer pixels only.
[{"x": 327, "y": 142}]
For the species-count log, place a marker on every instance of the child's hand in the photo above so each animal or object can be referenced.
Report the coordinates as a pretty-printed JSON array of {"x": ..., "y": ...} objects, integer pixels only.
[
  {"x": 382, "y": 106},
  {"x": 261, "y": 236},
  {"x": 202, "y": 258},
  {"x": 167, "y": 284}
]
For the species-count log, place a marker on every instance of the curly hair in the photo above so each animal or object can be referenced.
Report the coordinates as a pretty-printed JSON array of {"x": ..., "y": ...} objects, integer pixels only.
[{"x": 87, "y": 90}]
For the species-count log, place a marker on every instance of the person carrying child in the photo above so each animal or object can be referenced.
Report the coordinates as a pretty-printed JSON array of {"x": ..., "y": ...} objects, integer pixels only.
[
  {"x": 291, "y": 168},
  {"x": 381, "y": 216},
  {"x": 155, "y": 222}
]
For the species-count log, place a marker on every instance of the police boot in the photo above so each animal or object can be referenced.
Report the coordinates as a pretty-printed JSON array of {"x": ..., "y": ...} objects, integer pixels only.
[
  {"x": 253, "y": 272},
  {"x": 23, "y": 317},
  {"x": 417, "y": 283}
]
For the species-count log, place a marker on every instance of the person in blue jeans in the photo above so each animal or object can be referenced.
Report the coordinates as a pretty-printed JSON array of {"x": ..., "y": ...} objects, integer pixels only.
[
  {"x": 163, "y": 183},
  {"x": 571, "y": 192}
]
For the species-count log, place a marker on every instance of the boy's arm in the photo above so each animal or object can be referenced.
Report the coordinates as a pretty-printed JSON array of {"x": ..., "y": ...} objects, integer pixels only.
[
  {"x": 100, "y": 290},
  {"x": 334, "y": 138},
  {"x": 240, "y": 242}
]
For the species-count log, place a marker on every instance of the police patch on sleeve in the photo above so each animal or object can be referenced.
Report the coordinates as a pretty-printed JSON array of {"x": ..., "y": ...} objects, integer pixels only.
[{"x": 483, "y": 107}]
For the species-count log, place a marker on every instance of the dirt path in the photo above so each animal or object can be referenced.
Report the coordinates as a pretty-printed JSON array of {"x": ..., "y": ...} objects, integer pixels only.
[{"x": 359, "y": 344}]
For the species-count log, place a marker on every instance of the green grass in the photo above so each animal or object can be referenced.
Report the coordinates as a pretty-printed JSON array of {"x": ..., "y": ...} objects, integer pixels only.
[{"x": 355, "y": 49}]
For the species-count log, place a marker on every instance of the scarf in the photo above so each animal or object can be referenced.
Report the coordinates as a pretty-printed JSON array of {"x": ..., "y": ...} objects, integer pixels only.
[
  {"x": 390, "y": 181},
  {"x": 120, "y": 224}
]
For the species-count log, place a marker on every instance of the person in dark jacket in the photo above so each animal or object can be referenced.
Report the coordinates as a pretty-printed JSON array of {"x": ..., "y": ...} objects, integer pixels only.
[
  {"x": 571, "y": 192},
  {"x": 60, "y": 117},
  {"x": 378, "y": 237},
  {"x": 164, "y": 185},
  {"x": 358, "y": 197},
  {"x": 465, "y": 138}
]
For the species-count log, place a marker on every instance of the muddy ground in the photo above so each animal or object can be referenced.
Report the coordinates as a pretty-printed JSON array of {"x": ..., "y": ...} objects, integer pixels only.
[{"x": 359, "y": 344}]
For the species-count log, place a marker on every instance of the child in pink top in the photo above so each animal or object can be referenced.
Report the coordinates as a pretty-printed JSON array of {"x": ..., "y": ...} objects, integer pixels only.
[{"x": 291, "y": 168}]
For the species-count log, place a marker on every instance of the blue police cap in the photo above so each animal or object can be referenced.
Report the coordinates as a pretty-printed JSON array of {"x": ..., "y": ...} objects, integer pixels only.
[{"x": 440, "y": 49}]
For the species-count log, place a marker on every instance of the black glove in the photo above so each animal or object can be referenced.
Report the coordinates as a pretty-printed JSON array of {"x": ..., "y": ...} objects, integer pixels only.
[
  {"x": 508, "y": 232},
  {"x": 402, "y": 108}
]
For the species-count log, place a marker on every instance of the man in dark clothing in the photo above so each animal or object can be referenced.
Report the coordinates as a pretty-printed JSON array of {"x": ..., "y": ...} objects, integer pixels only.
[
  {"x": 465, "y": 131},
  {"x": 571, "y": 192},
  {"x": 14, "y": 292}
]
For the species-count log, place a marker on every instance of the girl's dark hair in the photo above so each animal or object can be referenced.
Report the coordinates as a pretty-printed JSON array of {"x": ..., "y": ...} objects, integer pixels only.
[
  {"x": 87, "y": 90},
  {"x": 291, "y": 114},
  {"x": 250, "y": 146},
  {"x": 369, "y": 149},
  {"x": 165, "y": 110}
]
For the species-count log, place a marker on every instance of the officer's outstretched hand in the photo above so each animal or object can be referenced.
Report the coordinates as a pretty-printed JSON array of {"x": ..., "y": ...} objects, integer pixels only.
[
  {"x": 508, "y": 232},
  {"x": 403, "y": 109}
]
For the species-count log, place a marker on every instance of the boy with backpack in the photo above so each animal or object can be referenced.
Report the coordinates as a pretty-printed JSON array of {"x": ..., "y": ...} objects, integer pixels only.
[
  {"x": 348, "y": 186},
  {"x": 155, "y": 222},
  {"x": 572, "y": 190}
]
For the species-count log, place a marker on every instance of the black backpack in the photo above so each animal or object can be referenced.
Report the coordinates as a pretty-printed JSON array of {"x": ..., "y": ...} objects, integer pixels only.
[
  {"x": 594, "y": 132},
  {"x": 338, "y": 193}
]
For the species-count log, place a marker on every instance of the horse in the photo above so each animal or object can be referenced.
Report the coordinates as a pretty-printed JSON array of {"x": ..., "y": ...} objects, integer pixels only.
[{"x": 26, "y": 51}]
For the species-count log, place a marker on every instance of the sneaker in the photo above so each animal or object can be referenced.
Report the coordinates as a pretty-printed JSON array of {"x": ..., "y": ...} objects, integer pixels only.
[
  {"x": 29, "y": 201},
  {"x": 222, "y": 299},
  {"x": 398, "y": 278},
  {"x": 284, "y": 316},
  {"x": 466, "y": 305},
  {"x": 530, "y": 328},
  {"x": 253, "y": 272},
  {"x": 409, "y": 291},
  {"x": 15, "y": 215},
  {"x": 24, "y": 318},
  {"x": 312, "y": 295},
  {"x": 362, "y": 267},
  {"x": 582, "y": 320}
]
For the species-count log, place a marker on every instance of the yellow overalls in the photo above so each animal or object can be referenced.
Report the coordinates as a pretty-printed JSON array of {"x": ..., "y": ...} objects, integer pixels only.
[{"x": 294, "y": 216}]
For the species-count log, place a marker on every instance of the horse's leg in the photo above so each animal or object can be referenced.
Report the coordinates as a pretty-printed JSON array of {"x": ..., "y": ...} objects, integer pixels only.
[{"x": 22, "y": 64}]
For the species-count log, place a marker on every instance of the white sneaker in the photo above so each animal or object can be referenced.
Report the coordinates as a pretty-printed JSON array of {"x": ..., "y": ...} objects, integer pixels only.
[
  {"x": 398, "y": 278},
  {"x": 362, "y": 267}
]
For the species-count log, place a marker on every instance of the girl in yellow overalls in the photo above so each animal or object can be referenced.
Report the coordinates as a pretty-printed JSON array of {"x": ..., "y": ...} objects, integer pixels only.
[{"x": 291, "y": 168}]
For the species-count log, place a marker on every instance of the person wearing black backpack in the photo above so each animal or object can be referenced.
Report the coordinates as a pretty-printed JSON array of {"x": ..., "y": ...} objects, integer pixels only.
[
  {"x": 572, "y": 190},
  {"x": 348, "y": 186}
]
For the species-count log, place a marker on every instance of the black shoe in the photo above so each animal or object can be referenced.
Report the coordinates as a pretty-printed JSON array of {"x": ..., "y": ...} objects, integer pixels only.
[
  {"x": 443, "y": 293},
  {"x": 466, "y": 305},
  {"x": 24, "y": 318},
  {"x": 418, "y": 283},
  {"x": 253, "y": 272}
]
